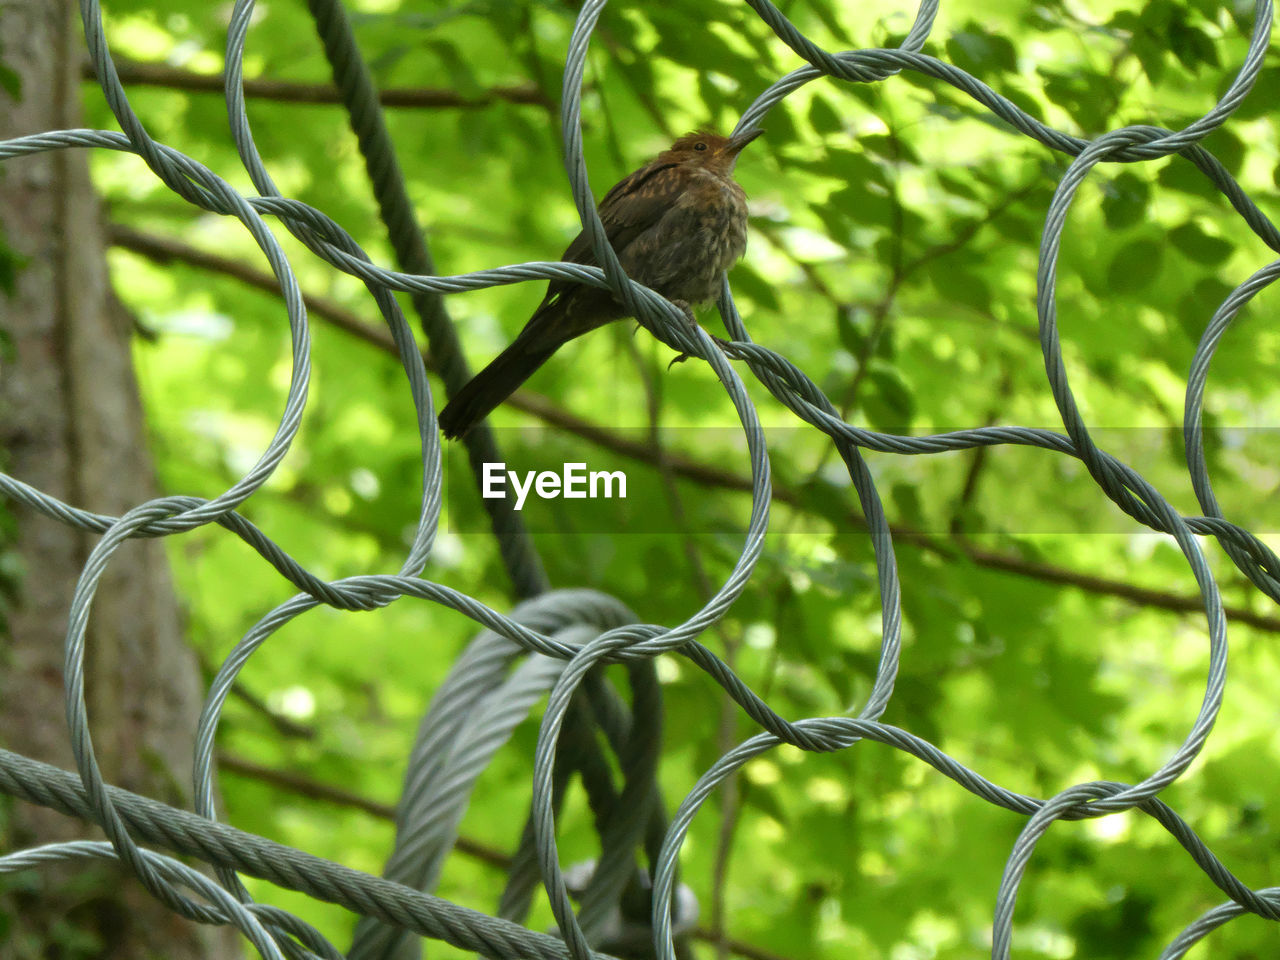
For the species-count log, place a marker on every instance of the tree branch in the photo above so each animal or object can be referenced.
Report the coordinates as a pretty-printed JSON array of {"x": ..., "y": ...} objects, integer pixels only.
[
  {"x": 736, "y": 946},
  {"x": 318, "y": 790},
  {"x": 141, "y": 74},
  {"x": 164, "y": 249}
]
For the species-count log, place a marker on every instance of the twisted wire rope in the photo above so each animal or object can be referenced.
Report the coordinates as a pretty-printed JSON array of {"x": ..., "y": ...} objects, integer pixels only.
[
  {"x": 222, "y": 845},
  {"x": 576, "y": 750},
  {"x": 228, "y": 908},
  {"x": 471, "y": 716},
  {"x": 458, "y": 736}
]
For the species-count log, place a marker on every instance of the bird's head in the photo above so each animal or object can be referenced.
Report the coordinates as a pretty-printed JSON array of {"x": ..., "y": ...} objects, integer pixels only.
[{"x": 708, "y": 150}]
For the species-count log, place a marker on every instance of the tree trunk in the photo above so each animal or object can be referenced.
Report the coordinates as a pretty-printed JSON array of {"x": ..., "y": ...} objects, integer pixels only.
[{"x": 71, "y": 425}]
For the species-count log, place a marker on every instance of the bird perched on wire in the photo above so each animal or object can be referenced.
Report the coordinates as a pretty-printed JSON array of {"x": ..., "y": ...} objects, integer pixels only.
[{"x": 676, "y": 224}]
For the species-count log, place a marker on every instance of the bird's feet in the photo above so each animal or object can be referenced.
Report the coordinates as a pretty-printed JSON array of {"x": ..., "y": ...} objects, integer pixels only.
[
  {"x": 683, "y": 306},
  {"x": 726, "y": 346}
]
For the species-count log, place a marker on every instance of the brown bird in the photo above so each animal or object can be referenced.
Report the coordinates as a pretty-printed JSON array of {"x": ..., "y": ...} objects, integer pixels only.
[{"x": 676, "y": 225}]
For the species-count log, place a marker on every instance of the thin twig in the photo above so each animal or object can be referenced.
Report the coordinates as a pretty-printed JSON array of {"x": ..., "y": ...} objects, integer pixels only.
[
  {"x": 285, "y": 726},
  {"x": 979, "y": 458}
]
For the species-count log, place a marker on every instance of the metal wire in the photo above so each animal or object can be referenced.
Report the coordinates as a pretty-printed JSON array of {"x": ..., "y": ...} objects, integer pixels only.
[{"x": 569, "y": 634}]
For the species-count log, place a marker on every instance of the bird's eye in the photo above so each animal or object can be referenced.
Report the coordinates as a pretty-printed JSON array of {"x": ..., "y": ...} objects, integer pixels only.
[{"x": 699, "y": 145}]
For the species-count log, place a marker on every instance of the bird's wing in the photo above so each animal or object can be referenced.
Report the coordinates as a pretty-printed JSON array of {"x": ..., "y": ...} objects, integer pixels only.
[{"x": 629, "y": 209}]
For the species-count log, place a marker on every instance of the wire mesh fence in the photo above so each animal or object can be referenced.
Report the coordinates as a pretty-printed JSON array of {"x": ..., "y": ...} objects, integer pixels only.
[{"x": 558, "y": 638}]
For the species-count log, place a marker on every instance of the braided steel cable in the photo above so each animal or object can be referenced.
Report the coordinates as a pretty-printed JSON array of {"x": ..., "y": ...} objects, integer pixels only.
[{"x": 576, "y": 631}]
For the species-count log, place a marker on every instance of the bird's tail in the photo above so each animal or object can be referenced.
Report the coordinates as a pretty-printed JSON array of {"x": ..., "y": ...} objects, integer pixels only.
[{"x": 488, "y": 388}]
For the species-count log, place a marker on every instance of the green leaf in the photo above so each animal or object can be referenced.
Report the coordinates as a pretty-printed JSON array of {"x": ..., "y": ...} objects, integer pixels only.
[
  {"x": 823, "y": 117},
  {"x": 1228, "y": 148},
  {"x": 1024, "y": 101},
  {"x": 837, "y": 223},
  {"x": 765, "y": 799},
  {"x": 1198, "y": 307},
  {"x": 863, "y": 206},
  {"x": 459, "y": 71},
  {"x": 826, "y": 499},
  {"x": 1191, "y": 45},
  {"x": 848, "y": 329},
  {"x": 782, "y": 128},
  {"x": 1020, "y": 225},
  {"x": 1183, "y": 176},
  {"x": 1152, "y": 55},
  {"x": 841, "y": 163},
  {"x": 1195, "y": 244},
  {"x": 957, "y": 284},
  {"x": 890, "y": 404},
  {"x": 956, "y": 185},
  {"x": 1262, "y": 98},
  {"x": 1156, "y": 16},
  {"x": 977, "y": 51},
  {"x": 747, "y": 281},
  {"x": 10, "y": 83},
  {"x": 1210, "y": 9},
  {"x": 893, "y": 149},
  {"x": 822, "y": 9},
  {"x": 1134, "y": 266},
  {"x": 906, "y": 498},
  {"x": 1125, "y": 200}
]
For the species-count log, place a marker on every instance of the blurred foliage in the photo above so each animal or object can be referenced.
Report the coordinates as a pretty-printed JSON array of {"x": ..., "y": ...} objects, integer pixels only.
[{"x": 893, "y": 258}]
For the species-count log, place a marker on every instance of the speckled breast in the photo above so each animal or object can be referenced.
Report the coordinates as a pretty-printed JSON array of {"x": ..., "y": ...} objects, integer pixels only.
[{"x": 702, "y": 235}]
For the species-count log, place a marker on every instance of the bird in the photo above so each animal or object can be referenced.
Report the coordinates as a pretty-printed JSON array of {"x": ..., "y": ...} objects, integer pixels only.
[{"x": 677, "y": 224}]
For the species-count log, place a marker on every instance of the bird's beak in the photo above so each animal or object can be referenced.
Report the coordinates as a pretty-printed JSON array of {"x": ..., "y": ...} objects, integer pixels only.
[{"x": 736, "y": 143}]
